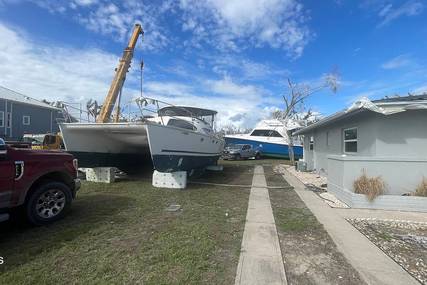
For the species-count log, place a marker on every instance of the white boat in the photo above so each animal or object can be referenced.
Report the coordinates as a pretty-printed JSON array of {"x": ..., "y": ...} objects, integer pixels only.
[
  {"x": 121, "y": 145},
  {"x": 182, "y": 139},
  {"x": 270, "y": 138}
]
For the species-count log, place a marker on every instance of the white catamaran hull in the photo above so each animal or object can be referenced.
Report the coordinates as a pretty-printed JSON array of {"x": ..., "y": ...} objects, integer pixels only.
[
  {"x": 175, "y": 149},
  {"x": 121, "y": 145}
]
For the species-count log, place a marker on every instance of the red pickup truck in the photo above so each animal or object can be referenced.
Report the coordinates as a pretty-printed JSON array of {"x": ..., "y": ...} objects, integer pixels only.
[{"x": 42, "y": 183}]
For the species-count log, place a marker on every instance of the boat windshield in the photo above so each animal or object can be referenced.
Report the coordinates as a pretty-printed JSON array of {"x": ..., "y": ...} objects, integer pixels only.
[
  {"x": 35, "y": 139},
  {"x": 266, "y": 133},
  {"x": 181, "y": 124}
]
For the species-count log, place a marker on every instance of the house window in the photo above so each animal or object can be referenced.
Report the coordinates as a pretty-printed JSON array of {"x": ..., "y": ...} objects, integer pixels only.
[
  {"x": 1, "y": 119},
  {"x": 350, "y": 140},
  {"x": 8, "y": 120},
  {"x": 311, "y": 145},
  {"x": 26, "y": 120}
]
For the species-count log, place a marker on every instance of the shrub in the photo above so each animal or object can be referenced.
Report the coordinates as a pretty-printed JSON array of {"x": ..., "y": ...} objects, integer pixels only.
[
  {"x": 422, "y": 188},
  {"x": 369, "y": 186}
]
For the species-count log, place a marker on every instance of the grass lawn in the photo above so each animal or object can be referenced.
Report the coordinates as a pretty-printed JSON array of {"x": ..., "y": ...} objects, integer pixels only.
[
  {"x": 121, "y": 233},
  {"x": 310, "y": 255}
]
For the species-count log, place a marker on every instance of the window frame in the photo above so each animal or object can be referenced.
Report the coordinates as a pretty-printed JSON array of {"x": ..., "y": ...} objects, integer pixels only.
[
  {"x": 194, "y": 128},
  {"x": 8, "y": 120},
  {"x": 29, "y": 120},
  {"x": 350, "y": 140},
  {"x": 311, "y": 143},
  {"x": 2, "y": 119}
]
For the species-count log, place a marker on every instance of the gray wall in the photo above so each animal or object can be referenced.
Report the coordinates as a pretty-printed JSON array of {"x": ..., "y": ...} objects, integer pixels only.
[
  {"x": 43, "y": 120},
  {"x": 402, "y": 134},
  {"x": 393, "y": 147},
  {"x": 366, "y": 131},
  {"x": 401, "y": 175}
]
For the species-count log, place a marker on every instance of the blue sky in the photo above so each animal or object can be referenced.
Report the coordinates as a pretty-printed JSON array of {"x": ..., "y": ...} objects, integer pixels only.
[{"x": 232, "y": 56}]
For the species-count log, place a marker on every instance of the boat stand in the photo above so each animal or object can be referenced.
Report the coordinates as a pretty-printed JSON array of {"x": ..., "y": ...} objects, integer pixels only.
[
  {"x": 100, "y": 174},
  {"x": 174, "y": 180}
]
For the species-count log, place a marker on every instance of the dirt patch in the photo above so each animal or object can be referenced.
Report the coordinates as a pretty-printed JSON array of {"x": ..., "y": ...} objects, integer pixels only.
[
  {"x": 405, "y": 242},
  {"x": 310, "y": 255}
]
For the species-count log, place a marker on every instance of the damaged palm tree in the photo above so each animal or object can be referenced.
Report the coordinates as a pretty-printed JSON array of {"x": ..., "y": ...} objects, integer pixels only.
[{"x": 295, "y": 102}]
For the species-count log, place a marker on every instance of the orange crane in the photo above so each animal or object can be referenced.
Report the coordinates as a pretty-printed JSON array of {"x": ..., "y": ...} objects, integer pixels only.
[{"x": 119, "y": 79}]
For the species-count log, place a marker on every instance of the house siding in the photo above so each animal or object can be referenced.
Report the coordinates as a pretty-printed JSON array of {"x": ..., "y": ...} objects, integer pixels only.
[
  {"x": 393, "y": 147},
  {"x": 317, "y": 159},
  {"x": 43, "y": 120},
  {"x": 402, "y": 134}
]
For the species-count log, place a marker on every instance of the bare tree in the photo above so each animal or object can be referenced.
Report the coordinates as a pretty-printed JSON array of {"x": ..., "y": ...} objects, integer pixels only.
[{"x": 295, "y": 102}]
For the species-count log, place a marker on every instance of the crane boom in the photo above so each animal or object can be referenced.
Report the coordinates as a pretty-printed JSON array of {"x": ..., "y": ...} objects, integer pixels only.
[{"x": 119, "y": 77}]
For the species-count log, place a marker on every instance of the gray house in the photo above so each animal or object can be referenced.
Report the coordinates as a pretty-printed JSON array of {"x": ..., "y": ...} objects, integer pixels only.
[
  {"x": 386, "y": 138},
  {"x": 20, "y": 114}
]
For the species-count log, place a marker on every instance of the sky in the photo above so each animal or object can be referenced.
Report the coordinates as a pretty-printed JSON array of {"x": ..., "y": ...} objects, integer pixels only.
[{"x": 232, "y": 56}]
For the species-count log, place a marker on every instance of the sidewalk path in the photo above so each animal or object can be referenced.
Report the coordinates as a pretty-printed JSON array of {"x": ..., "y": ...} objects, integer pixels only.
[
  {"x": 260, "y": 259},
  {"x": 374, "y": 266}
]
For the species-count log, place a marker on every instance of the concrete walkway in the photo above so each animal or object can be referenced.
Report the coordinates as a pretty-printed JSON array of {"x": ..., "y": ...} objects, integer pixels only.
[
  {"x": 260, "y": 259},
  {"x": 373, "y": 265}
]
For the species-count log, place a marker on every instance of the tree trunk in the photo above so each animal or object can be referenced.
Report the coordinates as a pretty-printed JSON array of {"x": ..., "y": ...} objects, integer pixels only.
[{"x": 291, "y": 147}]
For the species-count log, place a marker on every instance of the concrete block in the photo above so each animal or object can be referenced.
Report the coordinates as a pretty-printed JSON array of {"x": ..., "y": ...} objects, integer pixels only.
[
  {"x": 174, "y": 180},
  {"x": 100, "y": 174}
]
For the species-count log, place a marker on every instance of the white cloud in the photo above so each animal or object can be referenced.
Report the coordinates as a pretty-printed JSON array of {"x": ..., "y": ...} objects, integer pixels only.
[
  {"x": 397, "y": 62},
  {"x": 234, "y": 110},
  {"x": 77, "y": 75},
  {"x": 227, "y": 25},
  {"x": 420, "y": 90},
  {"x": 114, "y": 19},
  {"x": 85, "y": 2},
  {"x": 53, "y": 73},
  {"x": 227, "y": 87},
  {"x": 409, "y": 8},
  {"x": 234, "y": 24}
]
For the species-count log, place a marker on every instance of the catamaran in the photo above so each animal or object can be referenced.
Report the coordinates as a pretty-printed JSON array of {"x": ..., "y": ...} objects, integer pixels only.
[{"x": 183, "y": 139}]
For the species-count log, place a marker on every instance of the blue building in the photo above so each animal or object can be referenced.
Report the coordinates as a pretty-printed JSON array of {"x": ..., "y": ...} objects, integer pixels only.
[{"x": 20, "y": 114}]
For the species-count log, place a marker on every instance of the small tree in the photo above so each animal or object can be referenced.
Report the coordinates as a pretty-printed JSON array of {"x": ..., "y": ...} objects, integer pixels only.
[{"x": 295, "y": 102}]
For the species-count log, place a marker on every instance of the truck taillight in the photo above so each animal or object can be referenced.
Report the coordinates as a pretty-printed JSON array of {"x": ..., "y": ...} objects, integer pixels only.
[{"x": 76, "y": 165}]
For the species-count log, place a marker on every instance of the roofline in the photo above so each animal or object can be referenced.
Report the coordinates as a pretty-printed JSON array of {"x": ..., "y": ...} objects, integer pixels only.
[
  {"x": 329, "y": 120},
  {"x": 34, "y": 105},
  {"x": 27, "y": 103}
]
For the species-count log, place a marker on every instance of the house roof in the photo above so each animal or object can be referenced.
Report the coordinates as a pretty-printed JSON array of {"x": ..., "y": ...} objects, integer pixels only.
[
  {"x": 382, "y": 106},
  {"x": 11, "y": 95},
  {"x": 398, "y": 99}
]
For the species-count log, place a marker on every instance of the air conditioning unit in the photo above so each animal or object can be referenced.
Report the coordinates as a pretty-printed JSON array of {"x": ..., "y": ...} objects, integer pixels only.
[{"x": 301, "y": 166}]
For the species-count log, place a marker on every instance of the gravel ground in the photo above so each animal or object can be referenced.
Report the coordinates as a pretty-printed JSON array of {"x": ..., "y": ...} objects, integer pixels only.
[
  {"x": 313, "y": 182},
  {"x": 404, "y": 241}
]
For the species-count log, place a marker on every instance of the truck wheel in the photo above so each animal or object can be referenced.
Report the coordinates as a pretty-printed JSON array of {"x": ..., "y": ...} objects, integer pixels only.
[
  {"x": 258, "y": 156},
  {"x": 48, "y": 203},
  {"x": 237, "y": 157}
]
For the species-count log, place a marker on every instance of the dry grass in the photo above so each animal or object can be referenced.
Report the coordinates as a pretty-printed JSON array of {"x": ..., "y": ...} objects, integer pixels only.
[
  {"x": 372, "y": 187},
  {"x": 422, "y": 188}
]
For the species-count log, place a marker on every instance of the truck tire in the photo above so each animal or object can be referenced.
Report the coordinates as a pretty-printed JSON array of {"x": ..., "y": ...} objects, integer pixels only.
[
  {"x": 237, "y": 157},
  {"x": 257, "y": 156},
  {"x": 48, "y": 203}
]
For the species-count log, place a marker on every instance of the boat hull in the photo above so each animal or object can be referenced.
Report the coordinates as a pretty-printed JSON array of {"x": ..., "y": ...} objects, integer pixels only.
[
  {"x": 268, "y": 149},
  {"x": 174, "y": 149},
  {"x": 121, "y": 145}
]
